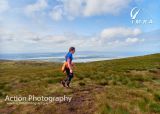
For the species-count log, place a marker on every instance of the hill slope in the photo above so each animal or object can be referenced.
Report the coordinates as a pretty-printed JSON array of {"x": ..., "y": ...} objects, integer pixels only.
[{"x": 121, "y": 86}]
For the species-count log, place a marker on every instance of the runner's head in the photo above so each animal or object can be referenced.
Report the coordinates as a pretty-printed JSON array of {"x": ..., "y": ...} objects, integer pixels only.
[{"x": 72, "y": 50}]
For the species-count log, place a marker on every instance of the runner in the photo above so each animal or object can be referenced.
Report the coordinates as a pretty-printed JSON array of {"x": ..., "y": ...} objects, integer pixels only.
[{"x": 68, "y": 67}]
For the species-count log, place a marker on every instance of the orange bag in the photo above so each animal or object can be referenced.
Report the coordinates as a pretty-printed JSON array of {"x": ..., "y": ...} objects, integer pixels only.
[{"x": 65, "y": 65}]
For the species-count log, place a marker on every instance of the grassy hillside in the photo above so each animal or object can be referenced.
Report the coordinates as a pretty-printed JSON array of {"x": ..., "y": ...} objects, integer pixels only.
[{"x": 121, "y": 86}]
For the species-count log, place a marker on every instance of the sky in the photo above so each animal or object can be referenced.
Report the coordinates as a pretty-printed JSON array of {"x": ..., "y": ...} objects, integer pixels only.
[{"x": 89, "y": 25}]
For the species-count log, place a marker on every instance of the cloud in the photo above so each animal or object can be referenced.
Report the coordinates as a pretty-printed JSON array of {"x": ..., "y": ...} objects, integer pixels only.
[
  {"x": 4, "y": 6},
  {"x": 38, "y": 6},
  {"x": 109, "y": 38},
  {"x": 85, "y": 8},
  {"x": 57, "y": 13},
  {"x": 119, "y": 32},
  {"x": 97, "y": 7},
  {"x": 119, "y": 37},
  {"x": 132, "y": 40},
  {"x": 109, "y": 35}
]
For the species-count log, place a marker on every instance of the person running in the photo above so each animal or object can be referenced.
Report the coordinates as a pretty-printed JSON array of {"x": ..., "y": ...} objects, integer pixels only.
[{"x": 68, "y": 67}]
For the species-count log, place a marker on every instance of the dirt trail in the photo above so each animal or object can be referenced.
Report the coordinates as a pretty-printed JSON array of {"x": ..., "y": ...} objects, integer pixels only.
[{"x": 83, "y": 101}]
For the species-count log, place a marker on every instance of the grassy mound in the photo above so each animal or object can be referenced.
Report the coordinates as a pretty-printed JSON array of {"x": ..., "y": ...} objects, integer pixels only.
[{"x": 121, "y": 86}]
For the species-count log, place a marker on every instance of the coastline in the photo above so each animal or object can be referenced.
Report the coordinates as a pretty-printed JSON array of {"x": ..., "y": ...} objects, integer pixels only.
[{"x": 78, "y": 59}]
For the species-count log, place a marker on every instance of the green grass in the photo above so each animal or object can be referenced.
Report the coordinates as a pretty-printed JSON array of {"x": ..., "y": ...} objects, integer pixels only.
[{"x": 130, "y": 85}]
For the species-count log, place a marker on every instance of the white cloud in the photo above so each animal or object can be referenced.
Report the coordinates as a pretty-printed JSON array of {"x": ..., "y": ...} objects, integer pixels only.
[
  {"x": 57, "y": 13},
  {"x": 133, "y": 40},
  {"x": 54, "y": 39},
  {"x": 120, "y": 36},
  {"x": 108, "y": 38},
  {"x": 97, "y": 7},
  {"x": 4, "y": 6},
  {"x": 73, "y": 8},
  {"x": 111, "y": 35},
  {"x": 38, "y": 6},
  {"x": 83, "y": 8},
  {"x": 119, "y": 32}
]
